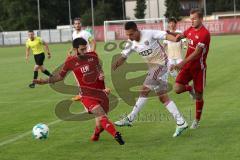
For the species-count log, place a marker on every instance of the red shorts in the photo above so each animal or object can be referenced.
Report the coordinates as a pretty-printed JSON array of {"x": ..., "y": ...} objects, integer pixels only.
[
  {"x": 198, "y": 76},
  {"x": 91, "y": 103}
]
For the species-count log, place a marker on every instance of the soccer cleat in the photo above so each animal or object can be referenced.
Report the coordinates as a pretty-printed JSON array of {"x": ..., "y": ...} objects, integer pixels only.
[
  {"x": 118, "y": 138},
  {"x": 195, "y": 124},
  {"x": 77, "y": 98},
  {"x": 180, "y": 129},
  {"x": 95, "y": 137},
  {"x": 192, "y": 94},
  {"x": 32, "y": 85},
  {"x": 123, "y": 122}
]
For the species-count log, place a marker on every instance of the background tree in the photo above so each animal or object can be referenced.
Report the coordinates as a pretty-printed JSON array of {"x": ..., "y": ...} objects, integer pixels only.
[
  {"x": 140, "y": 9},
  {"x": 173, "y": 9}
]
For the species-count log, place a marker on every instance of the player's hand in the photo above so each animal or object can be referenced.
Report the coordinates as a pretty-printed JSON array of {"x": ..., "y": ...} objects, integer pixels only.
[
  {"x": 49, "y": 55},
  {"x": 27, "y": 59},
  {"x": 178, "y": 37},
  {"x": 40, "y": 81},
  {"x": 172, "y": 67},
  {"x": 178, "y": 66},
  {"x": 101, "y": 76},
  {"x": 107, "y": 91}
]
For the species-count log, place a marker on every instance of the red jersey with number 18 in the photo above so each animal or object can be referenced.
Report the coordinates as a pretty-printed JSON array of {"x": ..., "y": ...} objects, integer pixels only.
[{"x": 85, "y": 69}]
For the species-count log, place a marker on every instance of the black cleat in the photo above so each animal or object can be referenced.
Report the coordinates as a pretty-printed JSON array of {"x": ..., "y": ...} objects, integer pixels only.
[
  {"x": 32, "y": 85},
  {"x": 118, "y": 138}
]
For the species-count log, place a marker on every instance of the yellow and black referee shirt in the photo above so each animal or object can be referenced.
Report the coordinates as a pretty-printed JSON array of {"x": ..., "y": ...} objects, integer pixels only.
[{"x": 36, "y": 45}]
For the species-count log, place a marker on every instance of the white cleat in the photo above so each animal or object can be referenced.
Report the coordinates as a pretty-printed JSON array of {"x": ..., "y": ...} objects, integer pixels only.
[
  {"x": 192, "y": 94},
  {"x": 123, "y": 122},
  {"x": 180, "y": 129},
  {"x": 195, "y": 124}
]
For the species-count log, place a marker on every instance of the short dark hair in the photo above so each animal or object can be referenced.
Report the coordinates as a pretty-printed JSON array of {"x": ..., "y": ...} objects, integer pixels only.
[
  {"x": 172, "y": 19},
  {"x": 198, "y": 11},
  {"x": 78, "y": 41},
  {"x": 30, "y": 31},
  {"x": 77, "y": 19},
  {"x": 130, "y": 25}
]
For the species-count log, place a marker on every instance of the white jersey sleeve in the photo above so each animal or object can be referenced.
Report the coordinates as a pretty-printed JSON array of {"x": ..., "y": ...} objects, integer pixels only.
[
  {"x": 159, "y": 35},
  {"x": 127, "y": 50}
]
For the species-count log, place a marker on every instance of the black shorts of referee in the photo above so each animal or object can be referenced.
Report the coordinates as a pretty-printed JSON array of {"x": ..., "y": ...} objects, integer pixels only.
[{"x": 39, "y": 59}]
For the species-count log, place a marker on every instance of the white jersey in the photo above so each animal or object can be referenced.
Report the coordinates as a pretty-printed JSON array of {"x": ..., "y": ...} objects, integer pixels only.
[
  {"x": 174, "y": 49},
  {"x": 148, "y": 47},
  {"x": 83, "y": 34}
]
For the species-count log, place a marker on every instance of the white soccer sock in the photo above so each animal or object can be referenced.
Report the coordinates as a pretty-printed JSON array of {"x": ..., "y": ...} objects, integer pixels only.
[
  {"x": 137, "y": 108},
  {"x": 172, "y": 108}
]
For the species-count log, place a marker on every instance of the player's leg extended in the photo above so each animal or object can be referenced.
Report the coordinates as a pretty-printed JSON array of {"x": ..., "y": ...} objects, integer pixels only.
[
  {"x": 182, "y": 80},
  {"x": 199, "y": 84},
  {"x": 106, "y": 123},
  {"x": 45, "y": 71},
  {"x": 142, "y": 99},
  {"x": 35, "y": 75},
  {"x": 98, "y": 130},
  {"x": 199, "y": 108},
  {"x": 172, "y": 108},
  {"x": 173, "y": 73}
]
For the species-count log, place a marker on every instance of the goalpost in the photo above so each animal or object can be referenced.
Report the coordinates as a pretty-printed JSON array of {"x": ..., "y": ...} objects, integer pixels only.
[{"x": 114, "y": 30}]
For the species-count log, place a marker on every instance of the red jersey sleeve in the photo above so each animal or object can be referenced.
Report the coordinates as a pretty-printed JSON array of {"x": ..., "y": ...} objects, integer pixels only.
[
  {"x": 204, "y": 40},
  {"x": 66, "y": 68}
]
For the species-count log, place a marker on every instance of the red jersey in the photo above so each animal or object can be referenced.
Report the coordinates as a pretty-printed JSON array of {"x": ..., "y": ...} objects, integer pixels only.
[
  {"x": 85, "y": 69},
  {"x": 197, "y": 37}
]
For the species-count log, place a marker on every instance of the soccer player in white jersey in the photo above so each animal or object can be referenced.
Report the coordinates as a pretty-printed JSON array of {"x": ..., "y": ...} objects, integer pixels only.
[
  {"x": 86, "y": 35},
  {"x": 79, "y": 33},
  {"x": 173, "y": 49},
  {"x": 145, "y": 42}
]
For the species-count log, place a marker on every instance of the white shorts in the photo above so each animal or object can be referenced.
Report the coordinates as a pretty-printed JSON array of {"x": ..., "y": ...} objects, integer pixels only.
[
  {"x": 174, "y": 61},
  {"x": 157, "y": 79}
]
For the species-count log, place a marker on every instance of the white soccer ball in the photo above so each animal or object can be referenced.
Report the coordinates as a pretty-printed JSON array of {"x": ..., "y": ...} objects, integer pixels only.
[{"x": 40, "y": 131}]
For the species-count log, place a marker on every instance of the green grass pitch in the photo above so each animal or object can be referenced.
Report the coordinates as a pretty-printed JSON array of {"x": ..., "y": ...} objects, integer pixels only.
[{"x": 149, "y": 139}]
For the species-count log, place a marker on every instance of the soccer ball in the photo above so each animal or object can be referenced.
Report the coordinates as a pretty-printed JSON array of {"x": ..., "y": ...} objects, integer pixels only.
[{"x": 40, "y": 131}]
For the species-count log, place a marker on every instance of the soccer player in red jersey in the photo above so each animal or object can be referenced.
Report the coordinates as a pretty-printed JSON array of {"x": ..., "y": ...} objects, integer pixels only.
[
  {"x": 193, "y": 67},
  {"x": 87, "y": 69}
]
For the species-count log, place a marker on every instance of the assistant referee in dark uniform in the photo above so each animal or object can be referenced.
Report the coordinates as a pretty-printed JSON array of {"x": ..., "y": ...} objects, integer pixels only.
[{"x": 36, "y": 44}]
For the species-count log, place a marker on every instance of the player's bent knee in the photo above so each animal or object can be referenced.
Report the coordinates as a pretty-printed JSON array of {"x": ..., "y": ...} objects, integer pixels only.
[
  {"x": 178, "y": 88},
  {"x": 163, "y": 98},
  {"x": 98, "y": 111},
  {"x": 144, "y": 91}
]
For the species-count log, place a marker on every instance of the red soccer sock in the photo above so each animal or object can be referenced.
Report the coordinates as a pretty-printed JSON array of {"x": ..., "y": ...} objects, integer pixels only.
[
  {"x": 108, "y": 126},
  {"x": 97, "y": 130},
  {"x": 199, "y": 107},
  {"x": 188, "y": 88}
]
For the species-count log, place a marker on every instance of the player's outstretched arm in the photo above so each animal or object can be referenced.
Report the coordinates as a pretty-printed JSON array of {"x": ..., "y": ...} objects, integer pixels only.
[
  {"x": 190, "y": 58},
  {"x": 47, "y": 49},
  {"x": 27, "y": 54},
  {"x": 119, "y": 62},
  {"x": 174, "y": 37},
  {"x": 93, "y": 45},
  {"x": 52, "y": 79}
]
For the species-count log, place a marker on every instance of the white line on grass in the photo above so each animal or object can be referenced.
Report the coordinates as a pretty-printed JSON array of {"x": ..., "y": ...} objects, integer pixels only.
[{"x": 29, "y": 132}]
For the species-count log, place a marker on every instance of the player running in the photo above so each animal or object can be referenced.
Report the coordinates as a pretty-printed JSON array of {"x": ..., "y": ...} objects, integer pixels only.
[
  {"x": 90, "y": 77},
  {"x": 173, "y": 49},
  {"x": 145, "y": 42},
  {"x": 79, "y": 33},
  {"x": 36, "y": 45},
  {"x": 194, "y": 66}
]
